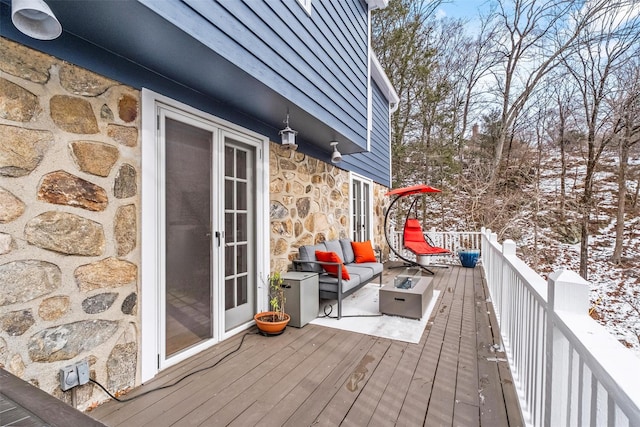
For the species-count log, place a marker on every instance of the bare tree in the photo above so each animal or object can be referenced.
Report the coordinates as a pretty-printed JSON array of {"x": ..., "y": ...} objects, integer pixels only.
[
  {"x": 562, "y": 129},
  {"x": 627, "y": 107},
  {"x": 606, "y": 44},
  {"x": 541, "y": 126},
  {"x": 563, "y": 116},
  {"x": 474, "y": 58},
  {"x": 534, "y": 36},
  {"x": 400, "y": 39}
]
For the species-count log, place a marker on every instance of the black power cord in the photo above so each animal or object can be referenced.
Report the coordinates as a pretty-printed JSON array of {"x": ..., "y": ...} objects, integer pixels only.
[
  {"x": 324, "y": 310},
  {"x": 179, "y": 380}
]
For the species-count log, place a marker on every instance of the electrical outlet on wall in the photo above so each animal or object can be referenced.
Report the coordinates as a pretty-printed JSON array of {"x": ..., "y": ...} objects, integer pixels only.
[
  {"x": 68, "y": 377},
  {"x": 74, "y": 375}
]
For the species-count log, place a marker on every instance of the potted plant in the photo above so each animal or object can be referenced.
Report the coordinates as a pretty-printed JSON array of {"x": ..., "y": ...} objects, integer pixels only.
[{"x": 273, "y": 322}]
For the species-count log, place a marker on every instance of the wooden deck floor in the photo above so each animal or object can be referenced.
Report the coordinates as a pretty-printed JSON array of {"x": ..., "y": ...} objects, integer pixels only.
[{"x": 325, "y": 376}]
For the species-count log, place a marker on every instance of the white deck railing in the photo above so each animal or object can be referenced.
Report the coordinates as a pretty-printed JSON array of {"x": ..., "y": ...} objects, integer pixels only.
[{"x": 568, "y": 370}]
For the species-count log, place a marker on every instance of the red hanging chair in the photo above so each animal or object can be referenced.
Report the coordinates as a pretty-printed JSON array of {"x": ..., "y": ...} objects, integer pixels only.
[{"x": 413, "y": 238}]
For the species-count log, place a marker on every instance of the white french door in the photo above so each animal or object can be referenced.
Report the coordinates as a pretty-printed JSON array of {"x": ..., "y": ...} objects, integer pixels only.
[
  {"x": 361, "y": 208},
  {"x": 239, "y": 226},
  {"x": 204, "y": 244},
  {"x": 190, "y": 215}
]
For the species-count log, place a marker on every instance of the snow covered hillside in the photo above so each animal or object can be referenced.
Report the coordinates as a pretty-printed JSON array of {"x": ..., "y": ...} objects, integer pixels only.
[{"x": 615, "y": 289}]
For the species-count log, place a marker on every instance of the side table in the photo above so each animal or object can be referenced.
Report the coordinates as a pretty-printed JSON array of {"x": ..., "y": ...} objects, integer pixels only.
[{"x": 301, "y": 293}]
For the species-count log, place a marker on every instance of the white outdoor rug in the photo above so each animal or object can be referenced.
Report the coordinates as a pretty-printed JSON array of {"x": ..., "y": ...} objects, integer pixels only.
[{"x": 365, "y": 302}]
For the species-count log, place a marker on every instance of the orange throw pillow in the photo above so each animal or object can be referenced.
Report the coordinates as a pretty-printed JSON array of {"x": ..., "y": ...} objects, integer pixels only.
[
  {"x": 332, "y": 269},
  {"x": 363, "y": 251}
]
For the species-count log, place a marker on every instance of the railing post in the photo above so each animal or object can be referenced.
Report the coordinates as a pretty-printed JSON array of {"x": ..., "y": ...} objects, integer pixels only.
[
  {"x": 508, "y": 247},
  {"x": 567, "y": 292}
]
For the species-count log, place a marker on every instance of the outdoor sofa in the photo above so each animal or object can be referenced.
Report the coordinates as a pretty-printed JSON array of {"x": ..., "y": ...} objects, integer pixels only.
[{"x": 333, "y": 285}]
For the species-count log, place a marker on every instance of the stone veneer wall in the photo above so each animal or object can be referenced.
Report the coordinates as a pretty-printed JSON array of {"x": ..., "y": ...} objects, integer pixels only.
[
  {"x": 69, "y": 215},
  {"x": 380, "y": 204},
  {"x": 310, "y": 204}
]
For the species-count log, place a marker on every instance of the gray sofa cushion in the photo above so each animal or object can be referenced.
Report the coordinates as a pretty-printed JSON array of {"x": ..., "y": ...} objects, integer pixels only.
[
  {"x": 363, "y": 272},
  {"x": 375, "y": 267},
  {"x": 308, "y": 253},
  {"x": 334, "y": 246},
  {"x": 330, "y": 283},
  {"x": 357, "y": 274},
  {"x": 347, "y": 251}
]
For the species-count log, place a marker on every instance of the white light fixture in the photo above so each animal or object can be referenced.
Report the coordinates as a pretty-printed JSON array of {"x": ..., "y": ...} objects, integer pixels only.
[
  {"x": 288, "y": 136},
  {"x": 336, "y": 157},
  {"x": 35, "y": 19}
]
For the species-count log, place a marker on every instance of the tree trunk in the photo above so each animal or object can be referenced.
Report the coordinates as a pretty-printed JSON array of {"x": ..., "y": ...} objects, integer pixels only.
[
  {"x": 563, "y": 164},
  {"x": 587, "y": 199},
  {"x": 584, "y": 245},
  {"x": 536, "y": 256},
  {"x": 622, "y": 195},
  {"x": 497, "y": 153}
]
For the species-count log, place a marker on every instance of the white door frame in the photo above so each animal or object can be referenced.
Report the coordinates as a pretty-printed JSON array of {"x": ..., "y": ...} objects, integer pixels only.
[
  {"x": 356, "y": 177},
  {"x": 151, "y": 271}
]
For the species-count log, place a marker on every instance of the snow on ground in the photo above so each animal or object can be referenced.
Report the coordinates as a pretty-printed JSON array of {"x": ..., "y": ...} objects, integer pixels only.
[{"x": 615, "y": 290}]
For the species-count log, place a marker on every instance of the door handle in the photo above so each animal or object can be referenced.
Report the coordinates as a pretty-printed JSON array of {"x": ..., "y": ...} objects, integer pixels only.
[{"x": 219, "y": 236}]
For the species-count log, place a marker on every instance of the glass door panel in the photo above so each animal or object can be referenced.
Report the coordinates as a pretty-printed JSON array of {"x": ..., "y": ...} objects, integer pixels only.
[
  {"x": 355, "y": 209},
  {"x": 188, "y": 291},
  {"x": 239, "y": 232},
  {"x": 361, "y": 215},
  {"x": 366, "y": 213}
]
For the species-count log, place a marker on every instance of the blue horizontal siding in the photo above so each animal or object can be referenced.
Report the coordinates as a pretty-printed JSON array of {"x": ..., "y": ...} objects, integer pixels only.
[
  {"x": 375, "y": 164},
  {"x": 319, "y": 61},
  {"x": 89, "y": 56}
]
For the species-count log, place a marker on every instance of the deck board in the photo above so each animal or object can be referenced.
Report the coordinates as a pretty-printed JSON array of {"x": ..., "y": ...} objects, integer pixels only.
[
  {"x": 466, "y": 411},
  {"x": 246, "y": 367},
  {"x": 307, "y": 399},
  {"x": 325, "y": 376},
  {"x": 442, "y": 401},
  {"x": 368, "y": 399},
  {"x": 393, "y": 384},
  {"x": 351, "y": 385},
  {"x": 255, "y": 375},
  {"x": 310, "y": 410},
  {"x": 279, "y": 390},
  {"x": 491, "y": 382}
]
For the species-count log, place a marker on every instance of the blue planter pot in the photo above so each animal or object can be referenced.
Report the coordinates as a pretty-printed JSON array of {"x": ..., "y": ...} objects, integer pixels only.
[{"x": 469, "y": 258}]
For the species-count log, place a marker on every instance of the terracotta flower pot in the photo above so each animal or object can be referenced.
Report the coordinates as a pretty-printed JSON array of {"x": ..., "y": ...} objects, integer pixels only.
[{"x": 266, "y": 324}]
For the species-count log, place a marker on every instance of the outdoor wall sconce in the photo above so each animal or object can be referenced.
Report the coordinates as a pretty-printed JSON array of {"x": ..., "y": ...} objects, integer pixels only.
[
  {"x": 336, "y": 157},
  {"x": 288, "y": 136},
  {"x": 35, "y": 19}
]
